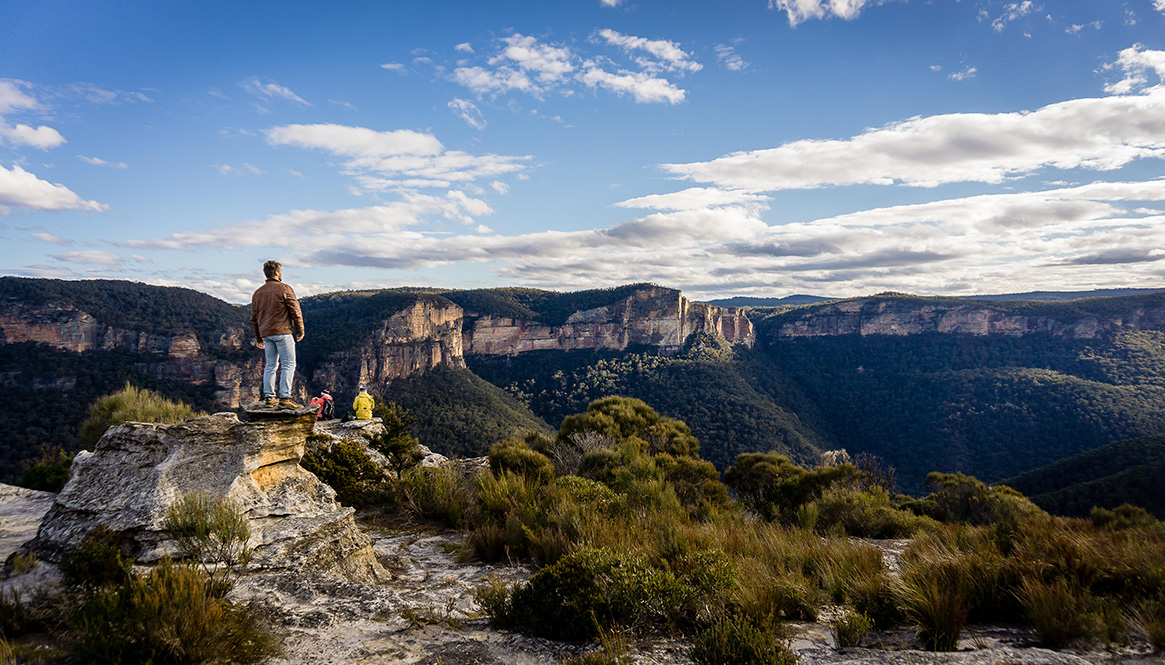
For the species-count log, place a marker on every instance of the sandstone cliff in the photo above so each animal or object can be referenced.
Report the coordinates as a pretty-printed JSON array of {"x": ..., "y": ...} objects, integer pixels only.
[
  {"x": 653, "y": 316},
  {"x": 139, "y": 469},
  {"x": 883, "y": 316}
]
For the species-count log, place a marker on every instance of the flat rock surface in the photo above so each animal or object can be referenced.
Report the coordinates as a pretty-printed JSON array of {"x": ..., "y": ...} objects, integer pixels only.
[{"x": 21, "y": 511}]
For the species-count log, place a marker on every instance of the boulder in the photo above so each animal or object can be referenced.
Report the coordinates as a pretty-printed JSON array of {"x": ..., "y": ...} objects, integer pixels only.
[{"x": 139, "y": 470}]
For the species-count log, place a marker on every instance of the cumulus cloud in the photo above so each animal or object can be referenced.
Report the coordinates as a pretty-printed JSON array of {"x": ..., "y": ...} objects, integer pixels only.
[
  {"x": 1137, "y": 63},
  {"x": 694, "y": 198},
  {"x": 467, "y": 111},
  {"x": 271, "y": 90},
  {"x": 1100, "y": 134},
  {"x": 644, "y": 87},
  {"x": 803, "y": 10},
  {"x": 1159, "y": 5},
  {"x": 664, "y": 54},
  {"x": 97, "y": 161},
  {"x": 21, "y": 189},
  {"x": 394, "y": 67},
  {"x": 42, "y": 137},
  {"x": 355, "y": 141},
  {"x": 526, "y": 65}
]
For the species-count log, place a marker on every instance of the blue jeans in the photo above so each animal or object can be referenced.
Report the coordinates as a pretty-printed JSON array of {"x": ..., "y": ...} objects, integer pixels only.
[{"x": 280, "y": 353}]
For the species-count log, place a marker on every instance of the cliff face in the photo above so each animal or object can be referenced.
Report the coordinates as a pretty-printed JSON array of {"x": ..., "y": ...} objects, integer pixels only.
[
  {"x": 890, "y": 317},
  {"x": 652, "y": 316},
  {"x": 412, "y": 341}
]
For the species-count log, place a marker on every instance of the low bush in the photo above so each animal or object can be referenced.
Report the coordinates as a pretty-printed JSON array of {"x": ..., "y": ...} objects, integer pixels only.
[
  {"x": 934, "y": 599},
  {"x": 515, "y": 455},
  {"x": 774, "y": 487},
  {"x": 850, "y": 629},
  {"x": 97, "y": 562},
  {"x": 1122, "y": 517},
  {"x": 50, "y": 473},
  {"x": 866, "y": 514},
  {"x": 168, "y": 615},
  {"x": 1150, "y": 616},
  {"x": 439, "y": 493},
  {"x": 130, "y": 404},
  {"x": 742, "y": 641},
  {"x": 212, "y": 531},
  {"x": 348, "y": 470}
]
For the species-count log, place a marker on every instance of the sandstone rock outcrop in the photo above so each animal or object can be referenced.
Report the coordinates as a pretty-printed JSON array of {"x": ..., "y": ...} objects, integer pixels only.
[
  {"x": 412, "y": 341},
  {"x": 653, "y": 316},
  {"x": 139, "y": 469},
  {"x": 864, "y": 316}
]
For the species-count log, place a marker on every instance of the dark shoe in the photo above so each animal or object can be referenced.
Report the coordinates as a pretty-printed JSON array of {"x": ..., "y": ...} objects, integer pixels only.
[
  {"x": 288, "y": 403},
  {"x": 270, "y": 402}
]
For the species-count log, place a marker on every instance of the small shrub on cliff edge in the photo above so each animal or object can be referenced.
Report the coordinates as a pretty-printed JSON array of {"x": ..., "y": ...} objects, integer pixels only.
[
  {"x": 346, "y": 468},
  {"x": 131, "y": 404}
]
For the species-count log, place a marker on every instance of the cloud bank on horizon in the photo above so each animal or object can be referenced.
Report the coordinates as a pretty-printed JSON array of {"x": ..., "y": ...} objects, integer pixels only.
[{"x": 493, "y": 170}]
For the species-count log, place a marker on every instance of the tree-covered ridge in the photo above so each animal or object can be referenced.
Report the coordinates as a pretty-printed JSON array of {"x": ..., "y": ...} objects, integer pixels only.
[
  {"x": 1108, "y": 476},
  {"x": 1065, "y": 311},
  {"x": 158, "y": 310}
]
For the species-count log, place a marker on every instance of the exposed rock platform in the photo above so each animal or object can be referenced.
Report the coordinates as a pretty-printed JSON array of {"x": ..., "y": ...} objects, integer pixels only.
[{"x": 139, "y": 469}]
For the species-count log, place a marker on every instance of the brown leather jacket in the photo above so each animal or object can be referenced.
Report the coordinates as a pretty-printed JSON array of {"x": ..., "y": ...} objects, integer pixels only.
[{"x": 275, "y": 311}]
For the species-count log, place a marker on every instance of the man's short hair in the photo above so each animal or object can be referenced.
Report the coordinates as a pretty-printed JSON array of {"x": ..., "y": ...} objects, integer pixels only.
[{"x": 269, "y": 269}]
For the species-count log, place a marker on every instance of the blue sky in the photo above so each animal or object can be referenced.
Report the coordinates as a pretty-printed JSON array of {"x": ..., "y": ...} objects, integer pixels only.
[{"x": 747, "y": 147}]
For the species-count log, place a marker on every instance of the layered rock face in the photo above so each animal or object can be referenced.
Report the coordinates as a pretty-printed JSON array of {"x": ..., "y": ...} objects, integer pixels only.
[
  {"x": 175, "y": 357},
  {"x": 138, "y": 470},
  {"x": 882, "y": 317},
  {"x": 652, "y": 316},
  {"x": 412, "y": 341}
]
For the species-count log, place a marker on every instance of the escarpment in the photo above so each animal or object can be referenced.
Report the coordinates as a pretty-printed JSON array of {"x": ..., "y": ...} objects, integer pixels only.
[
  {"x": 138, "y": 470},
  {"x": 912, "y": 316}
]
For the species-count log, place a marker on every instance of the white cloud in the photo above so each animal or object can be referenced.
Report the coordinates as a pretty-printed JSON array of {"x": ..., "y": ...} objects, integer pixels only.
[
  {"x": 1159, "y": 5},
  {"x": 615, "y": 3},
  {"x": 394, "y": 67},
  {"x": 97, "y": 161},
  {"x": 401, "y": 159},
  {"x": 1012, "y": 12},
  {"x": 97, "y": 95},
  {"x": 90, "y": 257},
  {"x": 41, "y": 137},
  {"x": 667, "y": 54},
  {"x": 271, "y": 90},
  {"x": 1101, "y": 134},
  {"x": 245, "y": 169},
  {"x": 13, "y": 97},
  {"x": 549, "y": 63},
  {"x": 483, "y": 81},
  {"x": 967, "y": 73},
  {"x": 463, "y": 47},
  {"x": 803, "y": 10},
  {"x": 500, "y": 187},
  {"x": 1137, "y": 63},
  {"x": 468, "y": 111},
  {"x": 21, "y": 189},
  {"x": 694, "y": 198},
  {"x": 643, "y": 87},
  {"x": 731, "y": 59},
  {"x": 355, "y": 141},
  {"x": 50, "y": 238}
]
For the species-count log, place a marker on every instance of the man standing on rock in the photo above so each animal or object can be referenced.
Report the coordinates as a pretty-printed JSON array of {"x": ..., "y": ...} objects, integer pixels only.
[{"x": 278, "y": 326}]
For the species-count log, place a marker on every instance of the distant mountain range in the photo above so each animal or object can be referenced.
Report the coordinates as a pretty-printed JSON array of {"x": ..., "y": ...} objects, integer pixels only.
[
  {"x": 989, "y": 388},
  {"x": 747, "y": 301}
]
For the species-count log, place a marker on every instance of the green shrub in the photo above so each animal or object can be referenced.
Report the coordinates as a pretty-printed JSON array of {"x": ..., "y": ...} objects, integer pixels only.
[
  {"x": 739, "y": 641},
  {"x": 964, "y": 499},
  {"x": 348, "y": 470},
  {"x": 130, "y": 404},
  {"x": 1061, "y": 611},
  {"x": 774, "y": 487},
  {"x": 169, "y": 615},
  {"x": 850, "y": 629},
  {"x": 212, "y": 531},
  {"x": 615, "y": 590},
  {"x": 97, "y": 562},
  {"x": 514, "y": 455},
  {"x": 873, "y": 596},
  {"x": 1122, "y": 517},
  {"x": 866, "y": 514},
  {"x": 1151, "y": 617},
  {"x": 399, "y": 447},
  {"x": 695, "y": 481},
  {"x": 623, "y": 418},
  {"x": 50, "y": 473}
]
